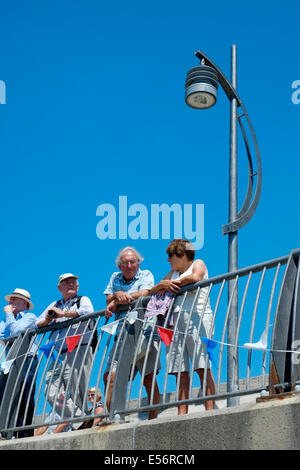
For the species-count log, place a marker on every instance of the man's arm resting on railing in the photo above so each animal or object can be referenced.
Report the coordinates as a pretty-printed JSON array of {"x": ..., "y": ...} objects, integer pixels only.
[
  {"x": 123, "y": 298},
  {"x": 47, "y": 319},
  {"x": 118, "y": 298}
]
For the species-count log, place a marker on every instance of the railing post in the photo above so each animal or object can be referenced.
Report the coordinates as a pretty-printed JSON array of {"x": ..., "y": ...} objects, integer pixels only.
[
  {"x": 125, "y": 360},
  {"x": 10, "y": 384},
  {"x": 232, "y": 380},
  {"x": 284, "y": 365}
]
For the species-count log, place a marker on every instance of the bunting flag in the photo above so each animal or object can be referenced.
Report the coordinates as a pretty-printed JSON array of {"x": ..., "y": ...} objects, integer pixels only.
[
  {"x": 261, "y": 344},
  {"x": 210, "y": 345},
  {"x": 72, "y": 342},
  {"x": 132, "y": 316},
  {"x": 110, "y": 328},
  {"x": 165, "y": 335},
  {"x": 6, "y": 365},
  {"x": 47, "y": 349}
]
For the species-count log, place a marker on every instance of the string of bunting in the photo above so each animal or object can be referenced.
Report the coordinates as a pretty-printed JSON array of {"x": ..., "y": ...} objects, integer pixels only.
[
  {"x": 165, "y": 334},
  {"x": 47, "y": 349}
]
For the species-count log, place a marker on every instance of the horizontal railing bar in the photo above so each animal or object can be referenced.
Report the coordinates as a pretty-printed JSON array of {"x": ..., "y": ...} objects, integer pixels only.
[
  {"x": 58, "y": 326},
  {"x": 142, "y": 409},
  {"x": 86, "y": 324},
  {"x": 239, "y": 272},
  {"x": 213, "y": 280},
  {"x": 53, "y": 423},
  {"x": 190, "y": 401}
]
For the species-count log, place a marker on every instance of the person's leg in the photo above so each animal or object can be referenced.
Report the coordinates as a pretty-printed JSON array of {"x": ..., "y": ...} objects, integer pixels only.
[
  {"x": 25, "y": 413},
  {"x": 60, "y": 428},
  {"x": 40, "y": 431},
  {"x": 183, "y": 391},
  {"x": 197, "y": 351},
  {"x": 69, "y": 397},
  {"x": 80, "y": 376},
  {"x": 27, "y": 388},
  {"x": 148, "y": 380},
  {"x": 108, "y": 387},
  {"x": 210, "y": 387},
  {"x": 54, "y": 386},
  {"x": 111, "y": 367}
]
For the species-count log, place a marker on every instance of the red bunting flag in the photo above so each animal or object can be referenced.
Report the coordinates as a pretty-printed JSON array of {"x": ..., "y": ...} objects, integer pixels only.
[
  {"x": 165, "y": 335},
  {"x": 72, "y": 342}
]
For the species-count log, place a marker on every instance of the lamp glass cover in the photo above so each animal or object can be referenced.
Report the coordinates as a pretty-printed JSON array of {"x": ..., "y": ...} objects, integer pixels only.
[{"x": 200, "y": 100}]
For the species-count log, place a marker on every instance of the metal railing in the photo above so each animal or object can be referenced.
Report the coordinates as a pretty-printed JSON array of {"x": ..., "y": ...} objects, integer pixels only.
[{"x": 33, "y": 384}]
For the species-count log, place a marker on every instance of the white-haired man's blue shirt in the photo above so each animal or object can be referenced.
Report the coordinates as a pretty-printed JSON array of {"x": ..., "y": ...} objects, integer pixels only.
[{"x": 143, "y": 279}]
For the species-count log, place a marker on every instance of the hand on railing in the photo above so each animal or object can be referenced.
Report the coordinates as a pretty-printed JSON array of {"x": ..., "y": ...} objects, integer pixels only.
[
  {"x": 122, "y": 298},
  {"x": 110, "y": 309},
  {"x": 167, "y": 285}
]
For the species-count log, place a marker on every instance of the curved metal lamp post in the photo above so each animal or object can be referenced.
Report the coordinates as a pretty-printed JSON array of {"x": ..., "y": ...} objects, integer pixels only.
[{"x": 201, "y": 93}]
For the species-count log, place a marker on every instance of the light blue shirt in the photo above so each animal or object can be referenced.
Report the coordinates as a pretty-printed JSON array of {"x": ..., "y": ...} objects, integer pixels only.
[
  {"x": 143, "y": 279},
  {"x": 14, "y": 326}
]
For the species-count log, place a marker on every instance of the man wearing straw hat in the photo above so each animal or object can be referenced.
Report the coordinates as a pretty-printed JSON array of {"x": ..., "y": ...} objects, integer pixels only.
[{"x": 17, "y": 320}]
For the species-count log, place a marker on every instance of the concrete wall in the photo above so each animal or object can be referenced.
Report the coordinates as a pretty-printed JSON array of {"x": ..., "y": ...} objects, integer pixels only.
[{"x": 272, "y": 424}]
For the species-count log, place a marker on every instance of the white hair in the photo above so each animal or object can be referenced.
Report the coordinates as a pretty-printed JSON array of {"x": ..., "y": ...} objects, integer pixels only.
[{"x": 124, "y": 250}]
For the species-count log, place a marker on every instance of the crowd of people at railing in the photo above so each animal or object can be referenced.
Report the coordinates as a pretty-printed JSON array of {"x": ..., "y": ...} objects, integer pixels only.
[{"x": 72, "y": 371}]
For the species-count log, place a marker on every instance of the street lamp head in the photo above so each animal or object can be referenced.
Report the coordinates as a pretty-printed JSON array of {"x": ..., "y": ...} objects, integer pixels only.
[{"x": 201, "y": 87}]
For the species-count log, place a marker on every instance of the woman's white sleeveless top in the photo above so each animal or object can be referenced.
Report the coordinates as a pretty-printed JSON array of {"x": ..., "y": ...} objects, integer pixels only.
[{"x": 203, "y": 302}]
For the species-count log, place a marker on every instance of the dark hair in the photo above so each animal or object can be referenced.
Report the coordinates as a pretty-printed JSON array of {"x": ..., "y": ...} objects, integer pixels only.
[{"x": 180, "y": 247}]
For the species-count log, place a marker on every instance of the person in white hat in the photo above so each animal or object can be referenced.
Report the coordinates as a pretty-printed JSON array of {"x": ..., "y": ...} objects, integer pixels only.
[
  {"x": 72, "y": 380},
  {"x": 17, "y": 320}
]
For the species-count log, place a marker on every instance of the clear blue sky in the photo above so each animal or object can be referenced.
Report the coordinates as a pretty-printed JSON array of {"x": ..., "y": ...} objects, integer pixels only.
[{"x": 95, "y": 109}]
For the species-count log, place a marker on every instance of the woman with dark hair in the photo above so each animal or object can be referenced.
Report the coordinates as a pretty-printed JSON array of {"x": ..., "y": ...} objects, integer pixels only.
[{"x": 195, "y": 319}]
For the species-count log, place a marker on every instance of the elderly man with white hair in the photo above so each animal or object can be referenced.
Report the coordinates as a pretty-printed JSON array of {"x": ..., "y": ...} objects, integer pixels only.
[{"x": 124, "y": 287}]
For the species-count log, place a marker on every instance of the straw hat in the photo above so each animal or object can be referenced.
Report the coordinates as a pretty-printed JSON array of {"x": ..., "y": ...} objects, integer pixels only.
[{"x": 21, "y": 294}]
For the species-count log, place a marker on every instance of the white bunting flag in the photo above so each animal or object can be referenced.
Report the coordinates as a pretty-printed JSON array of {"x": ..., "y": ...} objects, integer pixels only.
[
  {"x": 110, "y": 327},
  {"x": 261, "y": 344},
  {"x": 6, "y": 365},
  {"x": 132, "y": 316}
]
